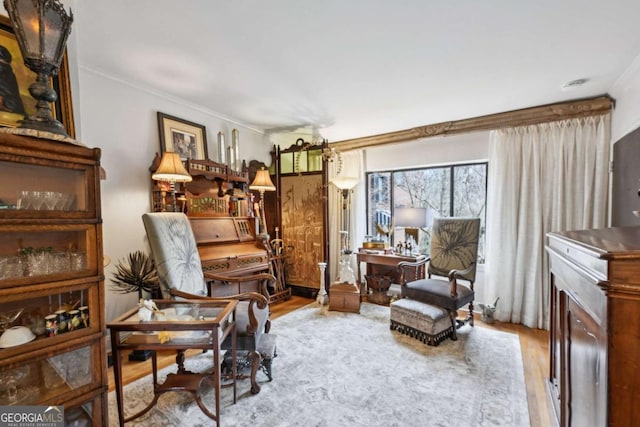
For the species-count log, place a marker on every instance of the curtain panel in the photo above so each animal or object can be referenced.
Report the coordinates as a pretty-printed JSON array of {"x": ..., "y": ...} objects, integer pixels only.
[
  {"x": 542, "y": 178},
  {"x": 349, "y": 164}
]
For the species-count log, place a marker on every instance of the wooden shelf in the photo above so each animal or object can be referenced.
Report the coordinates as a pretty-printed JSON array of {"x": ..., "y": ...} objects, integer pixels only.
[{"x": 216, "y": 171}]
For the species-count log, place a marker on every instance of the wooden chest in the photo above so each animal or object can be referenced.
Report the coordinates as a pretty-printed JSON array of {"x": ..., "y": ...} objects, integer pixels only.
[{"x": 344, "y": 297}]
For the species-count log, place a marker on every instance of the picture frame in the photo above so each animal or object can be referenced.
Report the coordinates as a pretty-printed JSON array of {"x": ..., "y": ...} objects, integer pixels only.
[
  {"x": 12, "y": 68},
  {"x": 181, "y": 136}
]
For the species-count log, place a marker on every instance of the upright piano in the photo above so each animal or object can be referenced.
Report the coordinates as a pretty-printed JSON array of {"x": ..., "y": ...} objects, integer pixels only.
[{"x": 228, "y": 246}]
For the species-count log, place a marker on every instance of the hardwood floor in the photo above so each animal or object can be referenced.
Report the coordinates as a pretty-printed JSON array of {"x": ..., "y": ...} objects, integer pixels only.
[{"x": 533, "y": 342}]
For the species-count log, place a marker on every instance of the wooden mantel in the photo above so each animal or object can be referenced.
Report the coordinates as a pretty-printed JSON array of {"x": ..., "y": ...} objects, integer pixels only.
[{"x": 523, "y": 117}]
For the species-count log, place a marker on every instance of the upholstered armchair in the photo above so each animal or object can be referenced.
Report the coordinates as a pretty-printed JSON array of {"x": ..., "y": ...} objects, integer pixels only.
[
  {"x": 454, "y": 251},
  {"x": 175, "y": 253}
]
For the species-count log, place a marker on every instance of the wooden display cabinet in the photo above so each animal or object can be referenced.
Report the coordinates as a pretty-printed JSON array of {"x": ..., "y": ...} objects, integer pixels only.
[
  {"x": 50, "y": 260},
  {"x": 594, "y": 346}
]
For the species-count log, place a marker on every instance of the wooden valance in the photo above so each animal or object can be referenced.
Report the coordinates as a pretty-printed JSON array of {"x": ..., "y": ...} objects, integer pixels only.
[{"x": 523, "y": 117}]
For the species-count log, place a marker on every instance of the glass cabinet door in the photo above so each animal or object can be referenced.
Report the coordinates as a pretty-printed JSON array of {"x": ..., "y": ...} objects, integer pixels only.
[
  {"x": 30, "y": 252},
  {"x": 42, "y": 317},
  {"x": 49, "y": 379},
  {"x": 54, "y": 189}
]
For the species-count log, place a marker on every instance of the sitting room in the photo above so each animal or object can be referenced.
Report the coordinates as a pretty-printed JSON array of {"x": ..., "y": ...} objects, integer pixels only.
[{"x": 287, "y": 213}]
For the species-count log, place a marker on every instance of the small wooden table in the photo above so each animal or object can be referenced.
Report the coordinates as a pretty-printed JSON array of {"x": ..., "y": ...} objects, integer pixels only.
[
  {"x": 177, "y": 326},
  {"x": 382, "y": 269}
]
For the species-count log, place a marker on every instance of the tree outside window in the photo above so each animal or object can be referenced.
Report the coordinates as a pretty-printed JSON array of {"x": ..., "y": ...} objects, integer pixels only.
[{"x": 446, "y": 191}]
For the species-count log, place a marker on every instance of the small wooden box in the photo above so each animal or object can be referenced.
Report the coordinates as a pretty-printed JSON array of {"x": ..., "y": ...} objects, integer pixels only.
[{"x": 344, "y": 297}]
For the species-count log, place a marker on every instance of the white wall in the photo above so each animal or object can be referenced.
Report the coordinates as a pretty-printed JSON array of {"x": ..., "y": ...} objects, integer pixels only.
[
  {"x": 626, "y": 92},
  {"x": 121, "y": 120},
  {"x": 464, "y": 148}
]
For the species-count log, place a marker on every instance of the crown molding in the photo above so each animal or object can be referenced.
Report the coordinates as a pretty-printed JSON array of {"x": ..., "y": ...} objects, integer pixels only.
[{"x": 526, "y": 116}]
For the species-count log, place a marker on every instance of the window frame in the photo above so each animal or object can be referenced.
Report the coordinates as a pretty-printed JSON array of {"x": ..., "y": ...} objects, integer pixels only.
[{"x": 451, "y": 166}]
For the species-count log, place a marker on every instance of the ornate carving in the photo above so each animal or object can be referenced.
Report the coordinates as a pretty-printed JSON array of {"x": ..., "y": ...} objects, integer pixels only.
[
  {"x": 526, "y": 116},
  {"x": 432, "y": 130}
]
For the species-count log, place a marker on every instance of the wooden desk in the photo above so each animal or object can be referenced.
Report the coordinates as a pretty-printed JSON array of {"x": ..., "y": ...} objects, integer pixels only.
[
  {"x": 211, "y": 325},
  {"x": 381, "y": 271}
]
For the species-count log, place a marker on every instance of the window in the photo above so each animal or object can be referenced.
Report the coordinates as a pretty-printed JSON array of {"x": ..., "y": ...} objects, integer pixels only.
[{"x": 445, "y": 191}]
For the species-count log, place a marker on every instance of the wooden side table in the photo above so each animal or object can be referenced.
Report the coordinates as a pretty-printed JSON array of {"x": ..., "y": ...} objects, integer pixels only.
[
  {"x": 382, "y": 272},
  {"x": 176, "y": 327}
]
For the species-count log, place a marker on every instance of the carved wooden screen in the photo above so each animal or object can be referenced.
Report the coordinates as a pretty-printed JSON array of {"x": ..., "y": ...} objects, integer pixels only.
[
  {"x": 302, "y": 210},
  {"x": 302, "y": 213}
]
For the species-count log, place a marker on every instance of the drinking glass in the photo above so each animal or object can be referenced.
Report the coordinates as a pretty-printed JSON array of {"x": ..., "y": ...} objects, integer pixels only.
[{"x": 24, "y": 200}]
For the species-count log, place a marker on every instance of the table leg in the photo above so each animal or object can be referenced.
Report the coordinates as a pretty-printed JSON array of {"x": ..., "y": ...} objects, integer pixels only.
[
  {"x": 234, "y": 358},
  {"x": 216, "y": 381},
  {"x": 117, "y": 374},
  {"x": 363, "y": 285}
]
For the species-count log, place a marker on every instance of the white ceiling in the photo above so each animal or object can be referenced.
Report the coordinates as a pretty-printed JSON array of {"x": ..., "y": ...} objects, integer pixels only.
[{"x": 355, "y": 68}]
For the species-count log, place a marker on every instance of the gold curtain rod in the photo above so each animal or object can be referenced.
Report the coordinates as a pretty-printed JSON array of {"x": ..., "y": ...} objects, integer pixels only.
[{"x": 526, "y": 116}]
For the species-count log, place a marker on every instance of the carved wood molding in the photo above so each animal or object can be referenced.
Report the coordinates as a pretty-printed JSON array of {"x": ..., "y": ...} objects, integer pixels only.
[{"x": 523, "y": 117}]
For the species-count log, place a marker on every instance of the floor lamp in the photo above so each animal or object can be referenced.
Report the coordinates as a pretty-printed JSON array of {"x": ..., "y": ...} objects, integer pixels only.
[
  {"x": 171, "y": 170},
  {"x": 261, "y": 183},
  {"x": 345, "y": 186}
]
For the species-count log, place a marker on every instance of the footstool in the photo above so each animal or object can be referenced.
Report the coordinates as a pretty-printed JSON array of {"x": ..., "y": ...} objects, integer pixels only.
[{"x": 428, "y": 323}]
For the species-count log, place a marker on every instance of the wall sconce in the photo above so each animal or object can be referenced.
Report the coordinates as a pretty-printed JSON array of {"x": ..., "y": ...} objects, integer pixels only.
[
  {"x": 42, "y": 28},
  {"x": 171, "y": 170},
  {"x": 411, "y": 219},
  {"x": 262, "y": 182}
]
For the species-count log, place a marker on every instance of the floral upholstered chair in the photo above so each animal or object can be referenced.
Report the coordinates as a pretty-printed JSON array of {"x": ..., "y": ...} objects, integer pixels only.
[
  {"x": 175, "y": 253},
  {"x": 454, "y": 252}
]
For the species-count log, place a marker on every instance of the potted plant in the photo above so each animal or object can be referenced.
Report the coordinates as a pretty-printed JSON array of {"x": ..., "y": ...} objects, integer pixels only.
[{"x": 136, "y": 273}]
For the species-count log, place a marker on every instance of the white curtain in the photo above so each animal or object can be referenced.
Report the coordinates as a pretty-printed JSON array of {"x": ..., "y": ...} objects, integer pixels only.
[
  {"x": 348, "y": 164},
  {"x": 542, "y": 178}
]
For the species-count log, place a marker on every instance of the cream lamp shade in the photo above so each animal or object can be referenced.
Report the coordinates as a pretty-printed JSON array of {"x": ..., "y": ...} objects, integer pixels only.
[
  {"x": 262, "y": 181},
  {"x": 171, "y": 169},
  {"x": 345, "y": 182}
]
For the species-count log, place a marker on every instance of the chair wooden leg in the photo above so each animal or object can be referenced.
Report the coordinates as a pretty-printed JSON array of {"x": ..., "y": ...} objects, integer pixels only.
[
  {"x": 255, "y": 358},
  {"x": 470, "y": 317},
  {"x": 180, "y": 361},
  {"x": 454, "y": 325}
]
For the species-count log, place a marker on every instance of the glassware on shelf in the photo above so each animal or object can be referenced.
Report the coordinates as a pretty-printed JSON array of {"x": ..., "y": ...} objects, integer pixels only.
[
  {"x": 45, "y": 200},
  {"x": 10, "y": 267},
  {"x": 78, "y": 261}
]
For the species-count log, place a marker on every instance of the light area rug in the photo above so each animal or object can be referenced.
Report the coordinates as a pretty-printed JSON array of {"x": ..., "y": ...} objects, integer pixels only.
[{"x": 347, "y": 369}]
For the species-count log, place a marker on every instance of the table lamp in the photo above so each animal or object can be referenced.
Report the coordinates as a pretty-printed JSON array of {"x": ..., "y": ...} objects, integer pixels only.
[
  {"x": 411, "y": 219},
  {"x": 171, "y": 170},
  {"x": 262, "y": 182},
  {"x": 42, "y": 28}
]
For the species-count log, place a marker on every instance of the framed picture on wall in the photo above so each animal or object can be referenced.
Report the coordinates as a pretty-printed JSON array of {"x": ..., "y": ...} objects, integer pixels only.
[
  {"x": 16, "y": 102},
  {"x": 180, "y": 136}
]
